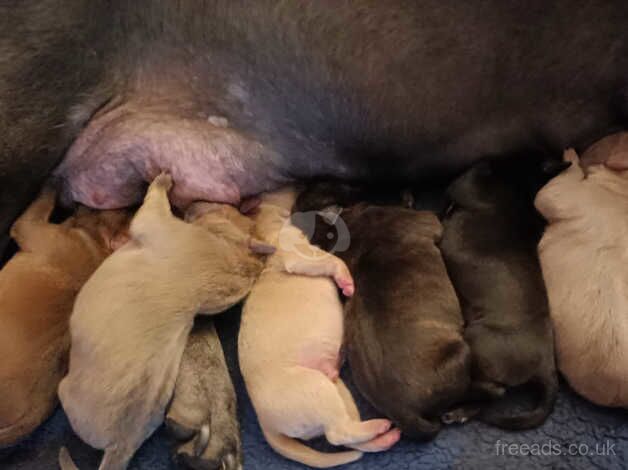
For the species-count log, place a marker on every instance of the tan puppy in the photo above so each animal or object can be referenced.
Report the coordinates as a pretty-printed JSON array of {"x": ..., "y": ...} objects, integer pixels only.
[
  {"x": 584, "y": 260},
  {"x": 289, "y": 343},
  {"x": 37, "y": 290},
  {"x": 132, "y": 318}
]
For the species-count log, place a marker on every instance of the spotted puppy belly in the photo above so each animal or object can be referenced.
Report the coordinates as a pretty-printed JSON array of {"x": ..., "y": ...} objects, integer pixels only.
[{"x": 119, "y": 152}]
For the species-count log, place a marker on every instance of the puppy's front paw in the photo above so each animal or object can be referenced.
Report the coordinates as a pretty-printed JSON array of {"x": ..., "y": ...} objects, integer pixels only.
[
  {"x": 207, "y": 448},
  {"x": 344, "y": 280}
]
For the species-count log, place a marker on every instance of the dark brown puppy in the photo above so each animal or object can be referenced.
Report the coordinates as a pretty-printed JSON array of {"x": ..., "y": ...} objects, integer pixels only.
[
  {"x": 489, "y": 242},
  {"x": 403, "y": 325}
]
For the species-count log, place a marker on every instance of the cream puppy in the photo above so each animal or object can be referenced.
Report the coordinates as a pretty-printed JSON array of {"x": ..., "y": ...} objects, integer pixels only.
[
  {"x": 289, "y": 343},
  {"x": 584, "y": 257},
  {"x": 132, "y": 318}
]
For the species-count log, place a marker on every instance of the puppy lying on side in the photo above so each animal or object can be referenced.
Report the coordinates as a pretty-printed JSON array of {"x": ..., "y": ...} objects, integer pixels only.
[
  {"x": 489, "y": 246},
  {"x": 584, "y": 259},
  {"x": 131, "y": 320},
  {"x": 289, "y": 344},
  {"x": 37, "y": 290},
  {"x": 202, "y": 412},
  {"x": 404, "y": 327}
]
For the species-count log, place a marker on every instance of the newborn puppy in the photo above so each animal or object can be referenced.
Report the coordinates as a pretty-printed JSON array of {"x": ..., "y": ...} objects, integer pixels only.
[
  {"x": 37, "y": 290},
  {"x": 404, "y": 327},
  {"x": 131, "y": 320},
  {"x": 583, "y": 256},
  {"x": 202, "y": 412},
  {"x": 489, "y": 245},
  {"x": 289, "y": 346}
]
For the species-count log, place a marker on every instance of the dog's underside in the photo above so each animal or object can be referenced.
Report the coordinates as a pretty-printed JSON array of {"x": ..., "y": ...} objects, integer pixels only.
[{"x": 305, "y": 90}]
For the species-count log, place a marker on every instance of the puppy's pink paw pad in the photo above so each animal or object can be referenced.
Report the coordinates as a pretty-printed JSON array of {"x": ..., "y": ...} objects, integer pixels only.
[
  {"x": 389, "y": 439},
  {"x": 346, "y": 285},
  {"x": 380, "y": 426}
]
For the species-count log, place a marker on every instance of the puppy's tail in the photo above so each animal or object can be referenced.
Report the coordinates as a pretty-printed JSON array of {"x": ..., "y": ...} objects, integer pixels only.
[
  {"x": 112, "y": 460},
  {"x": 294, "y": 450},
  {"x": 65, "y": 461},
  {"x": 548, "y": 386}
]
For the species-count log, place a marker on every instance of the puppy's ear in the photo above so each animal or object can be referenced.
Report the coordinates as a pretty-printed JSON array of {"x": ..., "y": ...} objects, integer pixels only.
[
  {"x": 261, "y": 247},
  {"x": 199, "y": 208},
  {"x": 249, "y": 205}
]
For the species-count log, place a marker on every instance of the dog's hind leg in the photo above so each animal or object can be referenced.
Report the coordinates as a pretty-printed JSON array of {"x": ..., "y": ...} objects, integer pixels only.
[{"x": 380, "y": 443}]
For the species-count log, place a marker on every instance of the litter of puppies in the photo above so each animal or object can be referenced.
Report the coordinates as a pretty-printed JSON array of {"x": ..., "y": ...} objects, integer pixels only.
[{"x": 438, "y": 318}]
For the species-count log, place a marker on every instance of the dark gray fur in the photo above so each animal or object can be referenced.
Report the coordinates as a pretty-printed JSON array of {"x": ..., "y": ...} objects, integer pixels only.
[{"x": 362, "y": 89}]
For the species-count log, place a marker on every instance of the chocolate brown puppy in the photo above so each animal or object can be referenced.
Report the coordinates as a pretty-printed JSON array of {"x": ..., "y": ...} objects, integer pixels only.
[
  {"x": 404, "y": 327},
  {"x": 37, "y": 289},
  {"x": 489, "y": 245},
  {"x": 202, "y": 412}
]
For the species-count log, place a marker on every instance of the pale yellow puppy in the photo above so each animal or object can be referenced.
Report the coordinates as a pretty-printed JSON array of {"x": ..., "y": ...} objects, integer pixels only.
[
  {"x": 584, "y": 257},
  {"x": 289, "y": 343},
  {"x": 132, "y": 318}
]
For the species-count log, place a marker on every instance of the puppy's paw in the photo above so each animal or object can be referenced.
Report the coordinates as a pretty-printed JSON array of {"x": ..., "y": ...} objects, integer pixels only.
[
  {"x": 163, "y": 180},
  {"x": 207, "y": 448},
  {"x": 344, "y": 280},
  {"x": 459, "y": 415}
]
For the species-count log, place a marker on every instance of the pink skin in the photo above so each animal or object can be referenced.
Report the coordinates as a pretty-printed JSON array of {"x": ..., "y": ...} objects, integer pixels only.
[
  {"x": 121, "y": 150},
  {"x": 382, "y": 442},
  {"x": 345, "y": 285}
]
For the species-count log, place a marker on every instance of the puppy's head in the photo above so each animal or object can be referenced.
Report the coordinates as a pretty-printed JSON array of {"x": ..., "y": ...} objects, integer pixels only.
[
  {"x": 324, "y": 194},
  {"x": 109, "y": 228},
  {"x": 207, "y": 214},
  {"x": 228, "y": 222},
  {"x": 504, "y": 182}
]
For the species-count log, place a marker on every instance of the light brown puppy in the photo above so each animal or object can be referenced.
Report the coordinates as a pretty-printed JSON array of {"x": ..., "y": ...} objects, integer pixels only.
[
  {"x": 37, "y": 289},
  {"x": 289, "y": 344},
  {"x": 584, "y": 257},
  {"x": 132, "y": 318}
]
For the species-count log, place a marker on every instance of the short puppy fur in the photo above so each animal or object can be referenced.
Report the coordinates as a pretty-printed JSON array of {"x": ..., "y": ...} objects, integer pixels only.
[
  {"x": 37, "y": 290},
  {"x": 489, "y": 245},
  {"x": 583, "y": 256},
  {"x": 404, "y": 327},
  {"x": 202, "y": 414},
  {"x": 132, "y": 318},
  {"x": 289, "y": 347}
]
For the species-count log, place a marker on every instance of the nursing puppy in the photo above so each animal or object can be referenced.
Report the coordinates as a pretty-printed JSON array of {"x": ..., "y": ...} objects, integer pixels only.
[
  {"x": 489, "y": 246},
  {"x": 404, "y": 327},
  {"x": 289, "y": 345},
  {"x": 131, "y": 320},
  {"x": 202, "y": 413},
  {"x": 37, "y": 290},
  {"x": 583, "y": 255}
]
